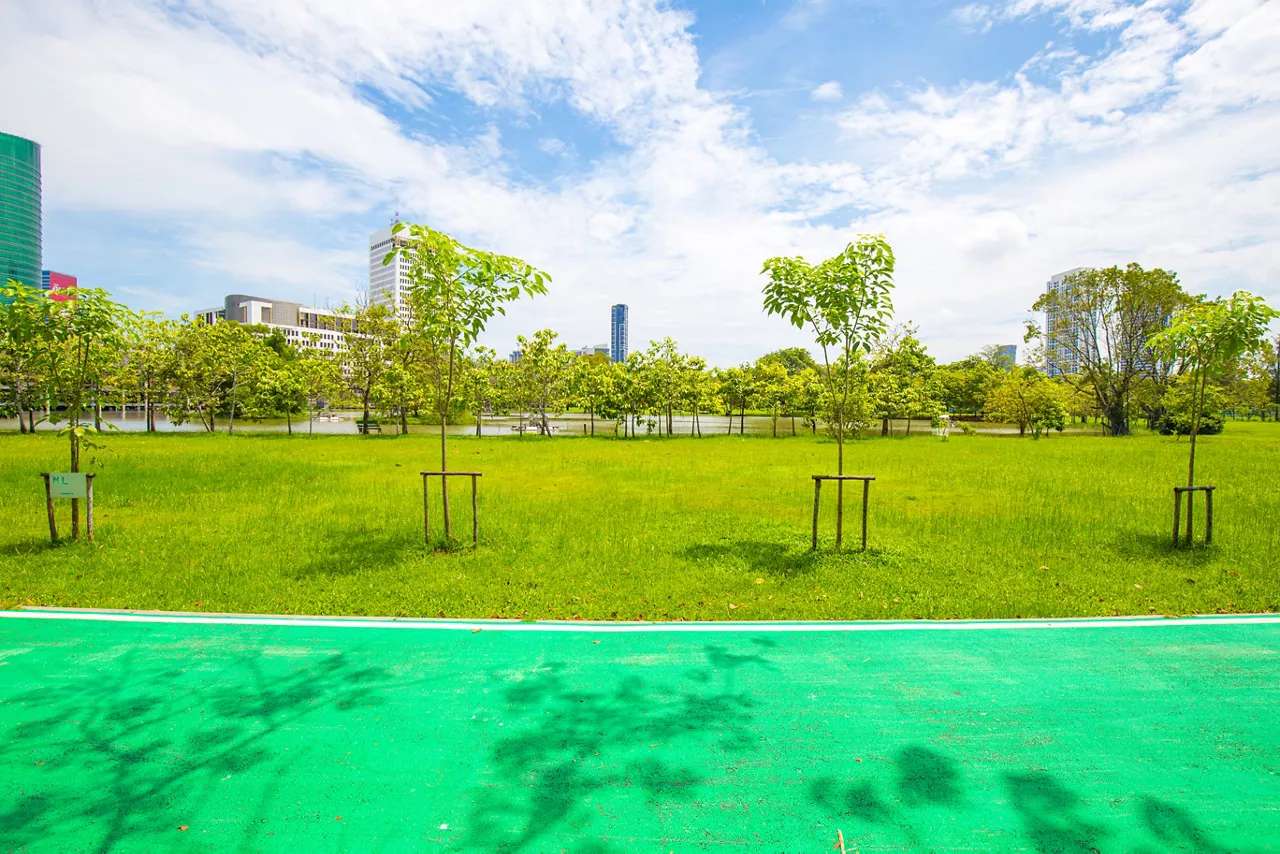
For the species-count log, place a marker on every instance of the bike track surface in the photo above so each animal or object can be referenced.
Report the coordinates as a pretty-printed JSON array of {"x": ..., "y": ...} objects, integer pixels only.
[{"x": 133, "y": 732}]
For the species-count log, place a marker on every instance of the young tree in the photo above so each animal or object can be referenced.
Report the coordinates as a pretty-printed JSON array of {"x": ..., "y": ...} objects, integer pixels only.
[
  {"x": 1105, "y": 319},
  {"x": 592, "y": 382},
  {"x": 454, "y": 290},
  {"x": 845, "y": 302},
  {"x": 806, "y": 396},
  {"x": 543, "y": 370},
  {"x": 735, "y": 388},
  {"x": 770, "y": 387},
  {"x": 368, "y": 334},
  {"x": 24, "y": 350},
  {"x": 1028, "y": 398},
  {"x": 698, "y": 391},
  {"x": 1208, "y": 337},
  {"x": 902, "y": 381},
  {"x": 149, "y": 362}
]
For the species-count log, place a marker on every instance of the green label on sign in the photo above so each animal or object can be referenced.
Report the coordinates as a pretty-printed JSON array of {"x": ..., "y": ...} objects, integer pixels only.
[{"x": 67, "y": 485}]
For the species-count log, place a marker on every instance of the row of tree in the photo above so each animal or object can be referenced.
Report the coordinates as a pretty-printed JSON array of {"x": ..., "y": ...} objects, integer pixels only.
[{"x": 213, "y": 375}]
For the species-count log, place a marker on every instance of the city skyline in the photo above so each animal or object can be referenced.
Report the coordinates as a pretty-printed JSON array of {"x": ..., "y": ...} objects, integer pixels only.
[{"x": 990, "y": 143}]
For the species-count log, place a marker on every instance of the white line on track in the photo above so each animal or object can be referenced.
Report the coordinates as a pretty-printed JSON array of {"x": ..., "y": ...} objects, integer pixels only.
[{"x": 518, "y": 626}]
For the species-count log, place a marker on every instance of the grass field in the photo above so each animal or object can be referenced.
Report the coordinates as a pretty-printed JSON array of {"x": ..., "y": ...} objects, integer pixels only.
[{"x": 980, "y": 527}]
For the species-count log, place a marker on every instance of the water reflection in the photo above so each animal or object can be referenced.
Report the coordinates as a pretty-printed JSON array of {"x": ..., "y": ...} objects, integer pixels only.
[{"x": 567, "y": 424}]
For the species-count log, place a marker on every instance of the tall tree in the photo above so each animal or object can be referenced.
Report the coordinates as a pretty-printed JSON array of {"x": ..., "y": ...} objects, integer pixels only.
[
  {"x": 845, "y": 302},
  {"x": 454, "y": 291},
  {"x": 1104, "y": 320}
]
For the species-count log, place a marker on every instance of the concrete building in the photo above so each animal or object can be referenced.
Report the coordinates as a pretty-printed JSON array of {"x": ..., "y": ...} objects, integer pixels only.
[
  {"x": 620, "y": 324},
  {"x": 1008, "y": 352},
  {"x": 515, "y": 356},
  {"x": 593, "y": 350},
  {"x": 20, "y": 248},
  {"x": 1061, "y": 333},
  {"x": 388, "y": 283},
  {"x": 302, "y": 326},
  {"x": 59, "y": 285}
]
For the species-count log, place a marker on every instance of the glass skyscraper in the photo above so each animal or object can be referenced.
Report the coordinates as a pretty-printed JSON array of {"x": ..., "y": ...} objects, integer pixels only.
[
  {"x": 19, "y": 210},
  {"x": 618, "y": 334}
]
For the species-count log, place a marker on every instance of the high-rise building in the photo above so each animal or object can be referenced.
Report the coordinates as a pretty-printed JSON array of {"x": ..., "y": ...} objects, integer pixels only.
[
  {"x": 1062, "y": 334},
  {"x": 1007, "y": 352},
  {"x": 618, "y": 338},
  {"x": 20, "y": 258},
  {"x": 58, "y": 285},
  {"x": 389, "y": 283}
]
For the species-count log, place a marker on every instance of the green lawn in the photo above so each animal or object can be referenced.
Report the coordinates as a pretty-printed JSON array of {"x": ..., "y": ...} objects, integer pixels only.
[{"x": 706, "y": 529}]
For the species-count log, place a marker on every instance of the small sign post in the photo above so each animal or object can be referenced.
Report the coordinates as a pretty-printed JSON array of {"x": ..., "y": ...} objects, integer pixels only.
[{"x": 73, "y": 485}]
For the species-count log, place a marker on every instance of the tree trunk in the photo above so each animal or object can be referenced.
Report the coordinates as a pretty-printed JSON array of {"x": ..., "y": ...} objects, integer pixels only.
[
  {"x": 742, "y": 420},
  {"x": 1195, "y": 428},
  {"x": 840, "y": 483},
  {"x": 364, "y": 400},
  {"x": 884, "y": 426},
  {"x": 592, "y": 412},
  {"x": 404, "y": 421},
  {"x": 444, "y": 480},
  {"x": 793, "y": 424},
  {"x": 908, "y": 433},
  {"x": 479, "y": 416},
  {"x": 75, "y": 467}
]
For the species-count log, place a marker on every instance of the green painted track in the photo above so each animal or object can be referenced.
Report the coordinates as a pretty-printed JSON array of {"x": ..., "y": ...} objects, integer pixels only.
[{"x": 114, "y": 735}]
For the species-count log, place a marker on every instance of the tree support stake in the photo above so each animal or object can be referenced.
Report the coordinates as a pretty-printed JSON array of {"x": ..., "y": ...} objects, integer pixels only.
[
  {"x": 475, "y": 504},
  {"x": 840, "y": 478},
  {"x": 1187, "y": 529}
]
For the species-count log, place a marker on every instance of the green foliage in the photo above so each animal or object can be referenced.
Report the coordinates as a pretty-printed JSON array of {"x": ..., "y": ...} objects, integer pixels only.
[
  {"x": 454, "y": 291},
  {"x": 794, "y": 359},
  {"x": 1180, "y": 405},
  {"x": 845, "y": 302},
  {"x": 1028, "y": 398},
  {"x": 963, "y": 386},
  {"x": 1108, "y": 317},
  {"x": 1208, "y": 338},
  {"x": 902, "y": 379}
]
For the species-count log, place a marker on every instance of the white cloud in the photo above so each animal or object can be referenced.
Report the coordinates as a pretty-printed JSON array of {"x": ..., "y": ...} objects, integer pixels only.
[
  {"x": 829, "y": 91},
  {"x": 273, "y": 137}
]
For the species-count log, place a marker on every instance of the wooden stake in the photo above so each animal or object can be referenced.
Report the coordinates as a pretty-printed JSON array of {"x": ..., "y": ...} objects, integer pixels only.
[
  {"x": 1208, "y": 516},
  {"x": 1190, "y": 521},
  {"x": 1177, "y": 513},
  {"x": 475, "y": 515},
  {"x": 88, "y": 507},
  {"x": 839, "y": 513},
  {"x": 817, "y": 491},
  {"x": 48, "y": 497},
  {"x": 866, "y": 491},
  {"x": 426, "y": 511}
]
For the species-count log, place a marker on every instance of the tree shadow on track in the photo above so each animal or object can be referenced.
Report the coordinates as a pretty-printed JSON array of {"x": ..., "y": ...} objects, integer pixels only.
[
  {"x": 127, "y": 749},
  {"x": 1050, "y": 816},
  {"x": 585, "y": 748}
]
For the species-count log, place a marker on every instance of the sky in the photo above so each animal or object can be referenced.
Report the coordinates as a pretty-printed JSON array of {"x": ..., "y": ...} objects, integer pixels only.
[{"x": 654, "y": 153}]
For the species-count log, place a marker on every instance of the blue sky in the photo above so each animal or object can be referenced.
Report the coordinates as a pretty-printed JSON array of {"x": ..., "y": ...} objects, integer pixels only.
[{"x": 654, "y": 153}]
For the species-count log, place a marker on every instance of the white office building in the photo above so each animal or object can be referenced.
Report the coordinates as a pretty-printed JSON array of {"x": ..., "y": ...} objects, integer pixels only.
[
  {"x": 302, "y": 326},
  {"x": 389, "y": 283},
  {"x": 1063, "y": 336}
]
